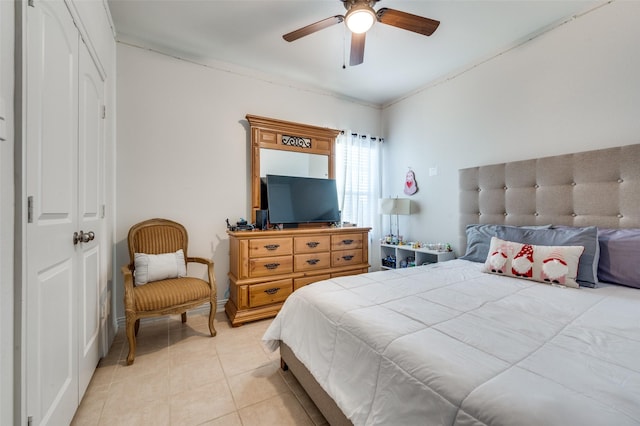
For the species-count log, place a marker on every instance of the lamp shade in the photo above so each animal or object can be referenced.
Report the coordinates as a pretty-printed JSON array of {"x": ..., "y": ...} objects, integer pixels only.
[
  {"x": 360, "y": 18},
  {"x": 397, "y": 206}
]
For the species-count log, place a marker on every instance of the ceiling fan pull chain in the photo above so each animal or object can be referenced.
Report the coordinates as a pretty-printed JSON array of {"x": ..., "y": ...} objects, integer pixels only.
[{"x": 344, "y": 48}]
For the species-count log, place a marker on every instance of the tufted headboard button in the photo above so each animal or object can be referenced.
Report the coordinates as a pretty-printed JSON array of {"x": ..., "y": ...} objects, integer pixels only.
[
  {"x": 505, "y": 213},
  {"x": 573, "y": 184},
  {"x": 536, "y": 186},
  {"x": 536, "y": 214},
  {"x": 573, "y": 215},
  {"x": 505, "y": 188},
  {"x": 620, "y": 180},
  {"x": 479, "y": 189},
  {"x": 619, "y": 216}
]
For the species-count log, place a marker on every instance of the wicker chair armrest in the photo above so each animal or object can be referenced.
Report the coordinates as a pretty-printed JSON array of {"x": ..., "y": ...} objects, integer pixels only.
[
  {"x": 209, "y": 263},
  {"x": 129, "y": 301},
  {"x": 199, "y": 260},
  {"x": 127, "y": 273}
]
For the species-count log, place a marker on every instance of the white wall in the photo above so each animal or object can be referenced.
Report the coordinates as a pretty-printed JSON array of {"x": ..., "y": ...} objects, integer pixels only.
[
  {"x": 183, "y": 145},
  {"x": 575, "y": 88},
  {"x": 6, "y": 212}
]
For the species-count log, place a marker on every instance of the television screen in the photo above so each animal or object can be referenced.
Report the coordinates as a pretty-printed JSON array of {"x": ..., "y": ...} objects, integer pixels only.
[{"x": 302, "y": 200}]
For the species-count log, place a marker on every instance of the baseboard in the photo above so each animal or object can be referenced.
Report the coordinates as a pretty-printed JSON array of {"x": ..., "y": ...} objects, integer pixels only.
[{"x": 199, "y": 310}]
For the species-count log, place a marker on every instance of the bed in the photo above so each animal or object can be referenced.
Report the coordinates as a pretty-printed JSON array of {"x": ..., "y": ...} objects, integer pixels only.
[{"x": 474, "y": 342}]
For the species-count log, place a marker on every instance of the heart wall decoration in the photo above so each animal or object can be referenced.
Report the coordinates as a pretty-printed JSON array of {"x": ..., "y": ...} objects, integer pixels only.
[{"x": 410, "y": 184}]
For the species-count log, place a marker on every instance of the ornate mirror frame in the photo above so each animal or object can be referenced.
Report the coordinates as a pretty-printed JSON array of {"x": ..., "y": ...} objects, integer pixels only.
[{"x": 269, "y": 133}]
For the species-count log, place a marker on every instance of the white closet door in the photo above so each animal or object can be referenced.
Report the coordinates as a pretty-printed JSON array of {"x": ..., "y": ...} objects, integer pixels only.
[
  {"x": 90, "y": 218},
  {"x": 52, "y": 185}
]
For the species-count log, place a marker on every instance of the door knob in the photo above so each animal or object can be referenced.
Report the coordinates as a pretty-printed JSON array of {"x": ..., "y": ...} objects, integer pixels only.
[{"x": 83, "y": 237}]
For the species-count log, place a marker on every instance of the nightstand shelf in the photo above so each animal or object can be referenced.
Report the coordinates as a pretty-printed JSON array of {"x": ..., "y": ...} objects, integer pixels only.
[{"x": 401, "y": 256}]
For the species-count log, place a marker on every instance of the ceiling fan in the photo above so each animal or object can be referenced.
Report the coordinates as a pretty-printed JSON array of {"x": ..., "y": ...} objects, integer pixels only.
[{"x": 360, "y": 17}]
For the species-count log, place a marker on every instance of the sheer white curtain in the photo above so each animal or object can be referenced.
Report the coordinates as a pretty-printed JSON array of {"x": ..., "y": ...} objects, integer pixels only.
[{"x": 358, "y": 179}]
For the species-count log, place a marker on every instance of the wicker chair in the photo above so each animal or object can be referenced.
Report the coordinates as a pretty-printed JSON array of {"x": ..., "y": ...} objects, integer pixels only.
[{"x": 168, "y": 296}]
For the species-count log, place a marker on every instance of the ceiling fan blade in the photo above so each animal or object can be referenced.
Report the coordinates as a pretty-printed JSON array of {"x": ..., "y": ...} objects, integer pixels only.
[
  {"x": 310, "y": 29},
  {"x": 407, "y": 21},
  {"x": 357, "y": 49}
]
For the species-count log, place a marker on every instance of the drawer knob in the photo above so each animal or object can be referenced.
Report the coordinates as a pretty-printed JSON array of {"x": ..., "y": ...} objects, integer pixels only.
[
  {"x": 271, "y": 265},
  {"x": 347, "y": 242},
  {"x": 272, "y": 247},
  {"x": 313, "y": 244},
  {"x": 348, "y": 257},
  {"x": 313, "y": 261},
  {"x": 272, "y": 291}
]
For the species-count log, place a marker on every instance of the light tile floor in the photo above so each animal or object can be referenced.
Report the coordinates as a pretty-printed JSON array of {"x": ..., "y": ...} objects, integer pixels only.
[{"x": 183, "y": 376}]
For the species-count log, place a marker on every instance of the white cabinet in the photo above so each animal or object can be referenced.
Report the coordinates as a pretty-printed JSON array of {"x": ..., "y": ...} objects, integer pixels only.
[{"x": 402, "y": 256}]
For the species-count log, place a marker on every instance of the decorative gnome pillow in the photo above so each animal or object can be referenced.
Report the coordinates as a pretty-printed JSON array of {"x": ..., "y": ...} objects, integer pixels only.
[{"x": 547, "y": 264}]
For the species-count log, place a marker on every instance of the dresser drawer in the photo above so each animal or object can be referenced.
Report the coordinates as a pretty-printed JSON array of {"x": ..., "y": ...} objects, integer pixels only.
[
  {"x": 270, "y": 266},
  {"x": 346, "y": 241},
  {"x": 263, "y": 247},
  {"x": 271, "y": 292},
  {"x": 312, "y": 244},
  {"x": 350, "y": 272},
  {"x": 312, "y": 261},
  {"x": 301, "y": 282},
  {"x": 346, "y": 257}
]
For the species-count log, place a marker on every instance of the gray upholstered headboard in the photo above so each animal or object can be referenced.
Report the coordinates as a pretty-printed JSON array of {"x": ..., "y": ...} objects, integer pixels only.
[{"x": 600, "y": 188}]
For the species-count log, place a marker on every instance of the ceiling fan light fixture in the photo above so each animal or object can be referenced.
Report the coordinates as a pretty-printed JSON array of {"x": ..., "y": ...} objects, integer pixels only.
[{"x": 360, "y": 18}]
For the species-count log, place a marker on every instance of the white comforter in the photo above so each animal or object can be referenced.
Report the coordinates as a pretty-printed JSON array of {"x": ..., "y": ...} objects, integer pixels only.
[{"x": 446, "y": 344}]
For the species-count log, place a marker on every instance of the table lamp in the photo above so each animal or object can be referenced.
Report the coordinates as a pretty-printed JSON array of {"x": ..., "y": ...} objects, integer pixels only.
[{"x": 395, "y": 206}]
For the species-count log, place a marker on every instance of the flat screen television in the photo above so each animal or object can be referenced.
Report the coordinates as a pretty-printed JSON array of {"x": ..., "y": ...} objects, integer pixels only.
[{"x": 293, "y": 200}]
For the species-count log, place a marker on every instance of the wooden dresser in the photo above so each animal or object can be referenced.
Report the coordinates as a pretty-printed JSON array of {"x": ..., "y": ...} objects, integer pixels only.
[{"x": 267, "y": 266}]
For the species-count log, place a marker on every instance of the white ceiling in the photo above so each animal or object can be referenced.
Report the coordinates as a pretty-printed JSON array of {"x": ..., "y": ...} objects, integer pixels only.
[{"x": 246, "y": 36}]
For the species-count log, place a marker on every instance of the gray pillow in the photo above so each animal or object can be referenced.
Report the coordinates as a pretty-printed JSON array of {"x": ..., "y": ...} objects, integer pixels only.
[
  {"x": 619, "y": 256},
  {"x": 479, "y": 238}
]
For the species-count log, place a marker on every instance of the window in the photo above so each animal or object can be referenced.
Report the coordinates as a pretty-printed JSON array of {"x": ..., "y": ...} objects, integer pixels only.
[{"x": 358, "y": 178}]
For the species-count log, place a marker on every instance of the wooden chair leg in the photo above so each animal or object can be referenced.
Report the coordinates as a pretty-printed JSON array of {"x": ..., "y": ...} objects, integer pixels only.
[
  {"x": 212, "y": 315},
  {"x": 131, "y": 328},
  {"x": 184, "y": 317}
]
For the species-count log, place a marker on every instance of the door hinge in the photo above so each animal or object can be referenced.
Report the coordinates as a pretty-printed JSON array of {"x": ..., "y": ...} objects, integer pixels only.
[
  {"x": 30, "y": 3},
  {"x": 104, "y": 111},
  {"x": 30, "y": 418},
  {"x": 30, "y": 209},
  {"x": 103, "y": 210}
]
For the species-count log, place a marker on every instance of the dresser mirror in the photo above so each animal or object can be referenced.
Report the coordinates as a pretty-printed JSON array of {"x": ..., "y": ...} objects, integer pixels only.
[
  {"x": 291, "y": 149},
  {"x": 291, "y": 163}
]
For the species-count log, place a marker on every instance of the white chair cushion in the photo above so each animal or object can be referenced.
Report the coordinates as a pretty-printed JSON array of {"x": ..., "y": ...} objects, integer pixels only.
[{"x": 154, "y": 267}]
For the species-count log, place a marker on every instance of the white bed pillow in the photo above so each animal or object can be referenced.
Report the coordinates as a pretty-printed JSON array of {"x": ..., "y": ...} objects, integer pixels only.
[
  {"x": 154, "y": 267},
  {"x": 546, "y": 264}
]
